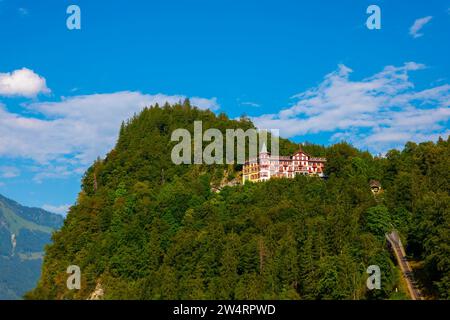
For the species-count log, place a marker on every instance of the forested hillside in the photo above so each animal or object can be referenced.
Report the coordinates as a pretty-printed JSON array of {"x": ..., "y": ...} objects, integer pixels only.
[{"x": 144, "y": 228}]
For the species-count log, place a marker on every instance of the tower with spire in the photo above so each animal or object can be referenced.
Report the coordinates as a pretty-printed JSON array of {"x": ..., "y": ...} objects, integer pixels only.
[
  {"x": 264, "y": 163},
  {"x": 264, "y": 149}
]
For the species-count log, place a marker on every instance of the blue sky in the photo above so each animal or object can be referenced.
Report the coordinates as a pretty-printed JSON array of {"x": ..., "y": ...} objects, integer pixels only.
[{"x": 310, "y": 68}]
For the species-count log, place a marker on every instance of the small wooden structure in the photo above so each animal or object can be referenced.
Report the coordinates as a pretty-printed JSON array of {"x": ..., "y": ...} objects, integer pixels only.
[{"x": 375, "y": 186}]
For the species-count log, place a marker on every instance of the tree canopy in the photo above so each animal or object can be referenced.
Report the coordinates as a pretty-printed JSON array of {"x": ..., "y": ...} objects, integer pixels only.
[{"x": 147, "y": 229}]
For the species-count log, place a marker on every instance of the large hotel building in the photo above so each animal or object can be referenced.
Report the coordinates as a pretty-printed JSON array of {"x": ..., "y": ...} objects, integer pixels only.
[{"x": 266, "y": 166}]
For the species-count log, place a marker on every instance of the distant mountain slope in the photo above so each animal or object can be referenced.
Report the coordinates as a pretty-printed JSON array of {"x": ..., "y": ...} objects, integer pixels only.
[{"x": 24, "y": 232}]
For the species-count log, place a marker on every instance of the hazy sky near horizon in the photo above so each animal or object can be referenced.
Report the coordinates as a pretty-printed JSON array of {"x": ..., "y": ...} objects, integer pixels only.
[{"x": 310, "y": 68}]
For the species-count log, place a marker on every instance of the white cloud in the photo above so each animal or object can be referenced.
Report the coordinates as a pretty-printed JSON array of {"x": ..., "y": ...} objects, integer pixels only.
[
  {"x": 62, "y": 209},
  {"x": 9, "y": 172},
  {"x": 251, "y": 104},
  {"x": 23, "y": 11},
  {"x": 51, "y": 171},
  {"x": 23, "y": 82},
  {"x": 204, "y": 103},
  {"x": 418, "y": 25},
  {"x": 64, "y": 137},
  {"x": 379, "y": 112}
]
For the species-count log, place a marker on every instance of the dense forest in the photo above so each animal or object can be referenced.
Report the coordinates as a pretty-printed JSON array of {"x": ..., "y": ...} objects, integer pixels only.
[{"x": 144, "y": 228}]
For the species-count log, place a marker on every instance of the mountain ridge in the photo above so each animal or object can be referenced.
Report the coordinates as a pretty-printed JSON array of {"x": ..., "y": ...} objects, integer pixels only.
[{"x": 24, "y": 232}]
